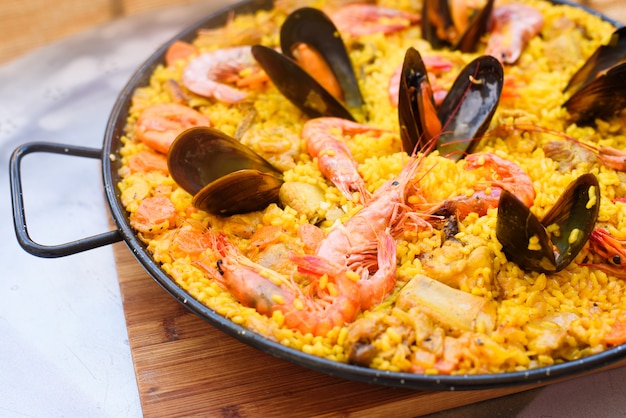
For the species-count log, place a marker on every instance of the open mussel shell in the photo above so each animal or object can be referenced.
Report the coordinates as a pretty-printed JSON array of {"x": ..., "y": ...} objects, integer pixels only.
[
  {"x": 439, "y": 29},
  {"x": 417, "y": 114},
  {"x": 242, "y": 191},
  {"x": 223, "y": 175},
  {"x": 298, "y": 86},
  {"x": 605, "y": 57},
  {"x": 601, "y": 98},
  {"x": 469, "y": 106},
  {"x": 571, "y": 220},
  {"x": 314, "y": 28}
]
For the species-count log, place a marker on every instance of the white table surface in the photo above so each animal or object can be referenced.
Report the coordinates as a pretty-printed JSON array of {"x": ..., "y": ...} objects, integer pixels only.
[{"x": 64, "y": 348}]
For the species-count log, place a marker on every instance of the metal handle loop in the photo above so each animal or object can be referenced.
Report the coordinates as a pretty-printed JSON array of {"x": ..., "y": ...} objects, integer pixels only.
[{"x": 17, "y": 201}]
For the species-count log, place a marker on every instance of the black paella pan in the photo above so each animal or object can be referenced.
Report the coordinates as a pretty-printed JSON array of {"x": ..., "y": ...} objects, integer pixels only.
[{"x": 110, "y": 160}]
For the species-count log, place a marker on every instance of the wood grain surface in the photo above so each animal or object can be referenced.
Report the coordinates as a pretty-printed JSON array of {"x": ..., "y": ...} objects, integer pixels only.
[{"x": 186, "y": 367}]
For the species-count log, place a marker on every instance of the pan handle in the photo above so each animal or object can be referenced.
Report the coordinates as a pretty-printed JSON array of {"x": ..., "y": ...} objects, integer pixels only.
[{"x": 19, "y": 218}]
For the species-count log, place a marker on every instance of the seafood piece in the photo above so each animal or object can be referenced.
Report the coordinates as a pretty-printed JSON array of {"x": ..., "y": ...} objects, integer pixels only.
[
  {"x": 305, "y": 198},
  {"x": 365, "y": 243},
  {"x": 250, "y": 31},
  {"x": 502, "y": 174},
  {"x": 608, "y": 156},
  {"x": 598, "y": 87},
  {"x": 611, "y": 249},
  {"x": 601, "y": 98},
  {"x": 277, "y": 144},
  {"x": 224, "y": 176},
  {"x": 435, "y": 65},
  {"x": 333, "y": 156},
  {"x": 298, "y": 86},
  {"x": 417, "y": 114},
  {"x": 467, "y": 110},
  {"x": 311, "y": 30},
  {"x": 159, "y": 124},
  {"x": 450, "y": 265},
  {"x": 454, "y": 24},
  {"x": 154, "y": 214},
  {"x": 551, "y": 244},
  {"x": 499, "y": 174},
  {"x": 179, "y": 51},
  {"x": 605, "y": 57},
  {"x": 268, "y": 292},
  {"x": 513, "y": 25},
  {"x": 464, "y": 115},
  {"x": 367, "y": 19},
  {"x": 568, "y": 155},
  {"x": 453, "y": 308},
  {"x": 208, "y": 73},
  {"x": 145, "y": 161},
  {"x": 314, "y": 65}
]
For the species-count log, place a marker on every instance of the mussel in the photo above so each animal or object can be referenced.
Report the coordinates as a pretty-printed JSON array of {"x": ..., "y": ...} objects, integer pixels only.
[
  {"x": 224, "y": 176},
  {"x": 551, "y": 244},
  {"x": 464, "y": 115},
  {"x": 454, "y": 27},
  {"x": 599, "y": 87},
  {"x": 309, "y": 32}
]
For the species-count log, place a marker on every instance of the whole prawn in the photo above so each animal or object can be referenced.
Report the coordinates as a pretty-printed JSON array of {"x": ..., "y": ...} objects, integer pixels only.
[
  {"x": 207, "y": 73},
  {"x": 258, "y": 287},
  {"x": 365, "y": 243},
  {"x": 334, "y": 159}
]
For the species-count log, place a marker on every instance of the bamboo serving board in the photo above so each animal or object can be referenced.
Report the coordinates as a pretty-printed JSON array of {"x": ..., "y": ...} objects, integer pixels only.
[{"x": 186, "y": 367}]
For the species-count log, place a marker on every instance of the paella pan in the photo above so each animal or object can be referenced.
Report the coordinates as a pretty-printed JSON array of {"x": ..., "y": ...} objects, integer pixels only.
[{"x": 465, "y": 305}]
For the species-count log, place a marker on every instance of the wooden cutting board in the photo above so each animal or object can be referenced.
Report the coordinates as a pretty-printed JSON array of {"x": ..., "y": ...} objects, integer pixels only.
[{"x": 185, "y": 367}]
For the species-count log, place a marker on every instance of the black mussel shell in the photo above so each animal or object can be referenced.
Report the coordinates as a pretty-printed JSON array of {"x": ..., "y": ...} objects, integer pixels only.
[
  {"x": 417, "y": 114},
  {"x": 605, "y": 57},
  {"x": 601, "y": 98},
  {"x": 223, "y": 175},
  {"x": 315, "y": 29},
  {"x": 242, "y": 191},
  {"x": 575, "y": 214},
  {"x": 438, "y": 27},
  {"x": 470, "y": 39},
  {"x": 298, "y": 86},
  {"x": 469, "y": 106}
]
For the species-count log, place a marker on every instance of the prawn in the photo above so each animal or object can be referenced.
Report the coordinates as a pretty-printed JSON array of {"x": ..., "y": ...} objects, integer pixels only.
[
  {"x": 334, "y": 159},
  {"x": 269, "y": 292},
  {"x": 365, "y": 243},
  {"x": 611, "y": 249},
  {"x": 159, "y": 124},
  {"x": 512, "y": 27},
  {"x": 207, "y": 74},
  {"x": 367, "y": 19}
]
